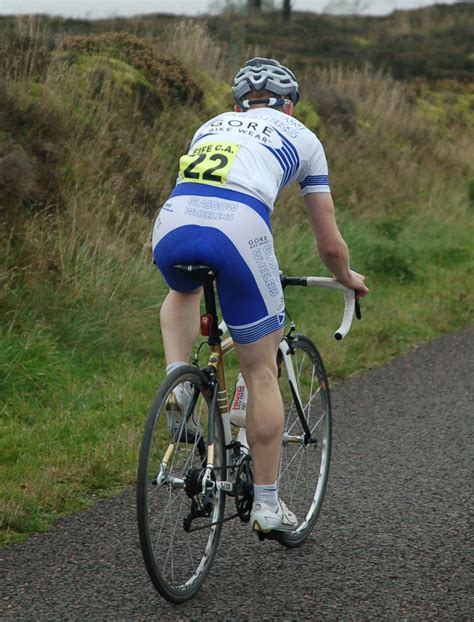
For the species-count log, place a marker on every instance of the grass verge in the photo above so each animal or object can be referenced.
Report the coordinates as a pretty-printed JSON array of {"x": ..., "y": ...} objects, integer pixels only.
[{"x": 89, "y": 139}]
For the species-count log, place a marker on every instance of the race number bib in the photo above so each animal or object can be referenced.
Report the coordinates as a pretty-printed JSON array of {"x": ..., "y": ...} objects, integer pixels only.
[{"x": 209, "y": 163}]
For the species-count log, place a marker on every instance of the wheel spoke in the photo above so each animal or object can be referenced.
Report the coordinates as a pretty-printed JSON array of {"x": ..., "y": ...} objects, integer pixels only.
[
  {"x": 176, "y": 559},
  {"x": 296, "y": 478},
  {"x": 304, "y": 467}
]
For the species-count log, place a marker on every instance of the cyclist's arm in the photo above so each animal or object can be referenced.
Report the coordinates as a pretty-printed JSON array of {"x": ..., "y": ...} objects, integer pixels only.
[{"x": 331, "y": 246}]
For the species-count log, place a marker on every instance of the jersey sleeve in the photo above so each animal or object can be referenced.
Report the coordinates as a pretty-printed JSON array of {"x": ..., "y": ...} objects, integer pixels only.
[{"x": 314, "y": 176}]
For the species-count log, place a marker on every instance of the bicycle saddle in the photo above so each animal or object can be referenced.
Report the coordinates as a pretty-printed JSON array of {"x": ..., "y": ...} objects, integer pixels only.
[{"x": 197, "y": 272}]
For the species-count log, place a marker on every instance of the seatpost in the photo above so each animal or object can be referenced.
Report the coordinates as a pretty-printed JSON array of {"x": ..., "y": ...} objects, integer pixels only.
[{"x": 210, "y": 304}]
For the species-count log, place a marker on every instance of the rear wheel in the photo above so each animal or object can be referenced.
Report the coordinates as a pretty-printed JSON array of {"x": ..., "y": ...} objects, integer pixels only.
[
  {"x": 174, "y": 516},
  {"x": 304, "y": 467}
]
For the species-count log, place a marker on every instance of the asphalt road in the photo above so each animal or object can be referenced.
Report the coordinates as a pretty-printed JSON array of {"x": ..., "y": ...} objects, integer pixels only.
[{"x": 392, "y": 541}]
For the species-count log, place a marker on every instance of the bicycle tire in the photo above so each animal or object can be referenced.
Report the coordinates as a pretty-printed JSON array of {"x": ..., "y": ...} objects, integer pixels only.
[
  {"x": 178, "y": 561},
  {"x": 295, "y": 487}
]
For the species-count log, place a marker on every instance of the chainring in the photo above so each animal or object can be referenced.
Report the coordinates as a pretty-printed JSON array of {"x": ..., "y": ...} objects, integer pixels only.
[{"x": 244, "y": 488}]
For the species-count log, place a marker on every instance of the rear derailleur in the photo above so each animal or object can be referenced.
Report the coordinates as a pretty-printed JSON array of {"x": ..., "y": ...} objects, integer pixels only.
[{"x": 201, "y": 506}]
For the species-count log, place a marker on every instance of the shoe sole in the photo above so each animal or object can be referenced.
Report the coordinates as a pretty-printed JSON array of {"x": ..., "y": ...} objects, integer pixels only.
[{"x": 256, "y": 527}]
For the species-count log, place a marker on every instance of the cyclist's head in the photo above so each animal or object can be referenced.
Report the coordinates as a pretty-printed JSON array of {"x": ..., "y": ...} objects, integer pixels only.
[{"x": 267, "y": 76}]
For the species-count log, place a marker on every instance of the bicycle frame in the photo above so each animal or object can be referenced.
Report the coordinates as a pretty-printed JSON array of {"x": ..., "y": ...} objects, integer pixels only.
[
  {"x": 196, "y": 478},
  {"x": 216, "y": 361},
  {"x": 217, "y": 382}
]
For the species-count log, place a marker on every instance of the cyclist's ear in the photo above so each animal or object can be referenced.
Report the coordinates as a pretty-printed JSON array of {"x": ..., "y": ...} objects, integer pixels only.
[
  {"x": 237, "y": 108},
  {"x": 288, "y": 108}
]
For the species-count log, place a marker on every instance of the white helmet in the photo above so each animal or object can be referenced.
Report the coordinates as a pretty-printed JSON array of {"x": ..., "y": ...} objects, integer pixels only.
[{"x": 264, "y": 74}]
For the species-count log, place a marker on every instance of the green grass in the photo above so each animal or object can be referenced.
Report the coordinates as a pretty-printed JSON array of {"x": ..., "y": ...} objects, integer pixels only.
[
  {"x": 420, "y": 287},
  {"x": 76, "y": 390},
  {"x": 86, "y": 164},
  {"x": 65, "y": 444},
  {"x": 76, "y": 385}
]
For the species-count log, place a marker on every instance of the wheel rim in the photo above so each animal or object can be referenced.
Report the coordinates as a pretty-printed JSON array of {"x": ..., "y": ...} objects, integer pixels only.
[
  {"x": 304, "y": 468},
  {"x": 177, "y": 560}
]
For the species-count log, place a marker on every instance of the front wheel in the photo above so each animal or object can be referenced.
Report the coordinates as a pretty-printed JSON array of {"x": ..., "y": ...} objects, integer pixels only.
[
  {"x": 179, "y": 526},
  {"x": 304, "y": 467}
]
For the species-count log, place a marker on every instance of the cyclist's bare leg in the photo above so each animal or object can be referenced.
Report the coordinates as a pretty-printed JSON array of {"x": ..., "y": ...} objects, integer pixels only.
[
  {"x": 265, "y": 419},
  {"x": 179, "y": 317}
]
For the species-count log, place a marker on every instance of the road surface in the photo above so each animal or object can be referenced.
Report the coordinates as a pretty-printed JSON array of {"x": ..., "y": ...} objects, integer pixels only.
[{"x": 392, "y": 541}]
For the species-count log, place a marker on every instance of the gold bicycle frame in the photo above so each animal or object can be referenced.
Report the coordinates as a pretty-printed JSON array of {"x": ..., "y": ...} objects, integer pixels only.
[{"x": 215, "y": 360}]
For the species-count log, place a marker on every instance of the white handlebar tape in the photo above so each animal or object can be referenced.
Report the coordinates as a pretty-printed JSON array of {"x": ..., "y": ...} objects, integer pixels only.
[{"x": 349, "y": 301}]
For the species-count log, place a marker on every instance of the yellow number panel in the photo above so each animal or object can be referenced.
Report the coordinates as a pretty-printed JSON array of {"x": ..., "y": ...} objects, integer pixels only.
[{"x": 209, "y": 163}]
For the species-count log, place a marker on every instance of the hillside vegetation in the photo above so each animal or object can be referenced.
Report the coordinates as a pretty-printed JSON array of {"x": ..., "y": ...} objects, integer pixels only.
[
  {"x": 433, "y": 43},
  {"x": 93, "y": 118}
]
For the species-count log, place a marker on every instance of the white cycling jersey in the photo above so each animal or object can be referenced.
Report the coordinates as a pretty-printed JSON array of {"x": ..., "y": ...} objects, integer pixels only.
[
  {"x": 219, "y": 212},
  {"x": 258, "y": 152}
]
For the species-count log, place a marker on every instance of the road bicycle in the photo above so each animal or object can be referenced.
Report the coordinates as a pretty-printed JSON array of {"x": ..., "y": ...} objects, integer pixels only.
[{"x": 188, "y": 472}]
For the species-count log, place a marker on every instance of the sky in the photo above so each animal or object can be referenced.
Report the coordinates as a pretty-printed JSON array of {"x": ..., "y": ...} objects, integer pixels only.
[{"x": 111, "y": 8}]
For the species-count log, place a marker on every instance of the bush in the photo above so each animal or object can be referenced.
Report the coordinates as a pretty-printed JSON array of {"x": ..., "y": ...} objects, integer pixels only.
[
  {"x": 168, "y": 76},
  {"x": 17, "y": 175},
  {"x": 32, "y": 133},
  {"x": 390, "y": 260},
  {"x": 332, "y": 107}
]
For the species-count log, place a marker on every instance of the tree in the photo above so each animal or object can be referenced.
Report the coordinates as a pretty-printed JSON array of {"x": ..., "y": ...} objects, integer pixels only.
[
  {"x": 242, "y": 6},
  {"x": 286, "y": 10},
  {"x": 254, "y": 6}
]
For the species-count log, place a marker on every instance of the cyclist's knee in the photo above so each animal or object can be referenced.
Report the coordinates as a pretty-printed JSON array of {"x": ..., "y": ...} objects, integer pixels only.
[{"x": 259, "y": 372}]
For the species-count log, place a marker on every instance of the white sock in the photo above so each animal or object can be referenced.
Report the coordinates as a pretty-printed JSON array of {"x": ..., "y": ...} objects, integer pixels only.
[
  {"x": 172, "y": 366},
  {"x": 268, "y": 493}
]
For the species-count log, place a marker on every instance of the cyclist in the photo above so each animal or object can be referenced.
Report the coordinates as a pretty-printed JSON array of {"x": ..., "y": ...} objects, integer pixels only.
[{"x": 219, "y": 215}]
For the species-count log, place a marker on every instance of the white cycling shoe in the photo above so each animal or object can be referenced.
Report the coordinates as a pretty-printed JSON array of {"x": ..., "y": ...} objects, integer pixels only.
[
  {"x": 264, "y": 518},
  {"x": 176, "y": 406}
]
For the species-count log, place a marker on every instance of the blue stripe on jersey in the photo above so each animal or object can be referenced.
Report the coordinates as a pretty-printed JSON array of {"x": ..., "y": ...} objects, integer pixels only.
[
  {"x": 258, "y": 330},
  {"x": 291, "y": 152},
  {"x": 287, "y": 166},
  {"x": 211, "y": 247},
  {"x": 315, "y": 180},
  {"x": 291, "y": 149},
  {"x": 205, "y": 190},
  {"x": 199, "y": 138},
  {"x": 282, "y": 162},
  {"x": 287, "y": 157}
]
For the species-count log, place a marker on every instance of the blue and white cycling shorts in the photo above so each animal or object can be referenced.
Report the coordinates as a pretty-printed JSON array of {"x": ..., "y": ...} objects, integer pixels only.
[{"x": 229, "y": 231}]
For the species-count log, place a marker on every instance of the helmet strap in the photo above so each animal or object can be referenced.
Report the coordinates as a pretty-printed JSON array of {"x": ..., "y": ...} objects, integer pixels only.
[{"x": 271, "y": 102}]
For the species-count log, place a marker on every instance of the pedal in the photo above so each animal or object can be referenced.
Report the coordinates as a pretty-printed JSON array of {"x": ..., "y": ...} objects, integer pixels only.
[
  {"x": 271, "y": 535},
  {"x": 225, "y": 486}
]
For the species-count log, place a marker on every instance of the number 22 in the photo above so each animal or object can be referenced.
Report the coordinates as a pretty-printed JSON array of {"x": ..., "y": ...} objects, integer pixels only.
[{"x": 207, "y": 174}]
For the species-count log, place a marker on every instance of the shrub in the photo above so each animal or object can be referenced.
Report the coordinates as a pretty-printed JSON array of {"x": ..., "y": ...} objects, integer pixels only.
[
  {"x": 17, "y": 175},
  {"x": 388, "y": 259},
  {"x": 32, "y": 133},
  {"x": 333, "y": 107},
  {"x": 169, "y": 76}
]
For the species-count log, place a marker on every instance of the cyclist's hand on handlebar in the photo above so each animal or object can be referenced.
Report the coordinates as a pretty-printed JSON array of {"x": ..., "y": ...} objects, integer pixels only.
[{"x": 356, "y": 281}]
